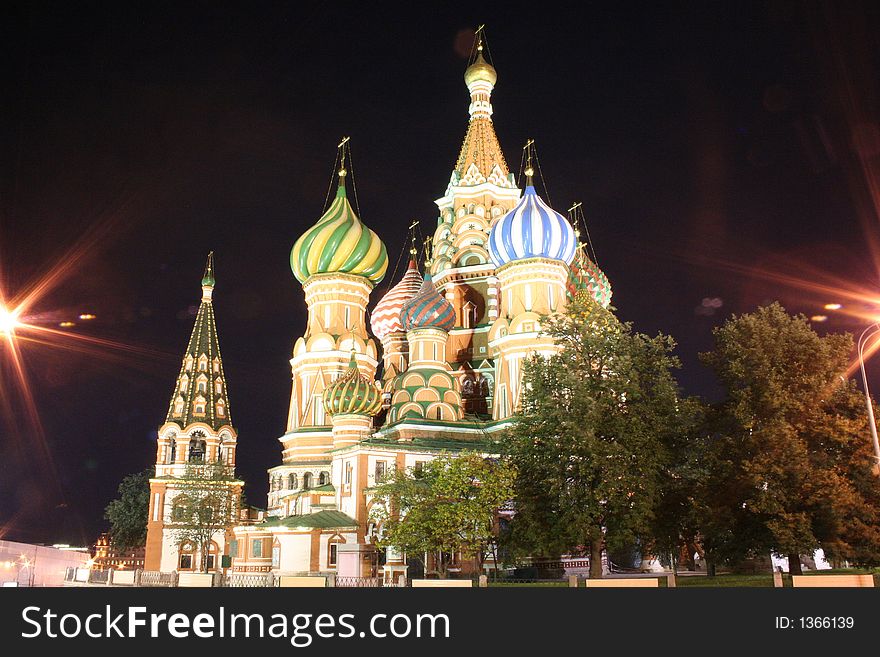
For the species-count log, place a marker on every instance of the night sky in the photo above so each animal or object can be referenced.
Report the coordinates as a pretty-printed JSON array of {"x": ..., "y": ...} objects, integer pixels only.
[{"x": 709, "y": 144}]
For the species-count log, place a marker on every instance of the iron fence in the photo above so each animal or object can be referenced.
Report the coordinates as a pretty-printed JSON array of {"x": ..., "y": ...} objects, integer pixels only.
[
  {"x": 249, "y": 580},
  {"x": 98, "y": 576},
  {"x": 155, "y": 578},
  {"x": 359, "y": 582}
]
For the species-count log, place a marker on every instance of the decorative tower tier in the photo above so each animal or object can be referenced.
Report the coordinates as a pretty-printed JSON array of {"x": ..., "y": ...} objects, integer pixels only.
[
  {"x": 481, "y": 190},
  {"x": 532, "y": 246},
  {"x": 388, "y": 326},
  {"x": 339, "y": 260},
  {"x": 427, "y": 388},
  {"x": 197, "y": 430}
]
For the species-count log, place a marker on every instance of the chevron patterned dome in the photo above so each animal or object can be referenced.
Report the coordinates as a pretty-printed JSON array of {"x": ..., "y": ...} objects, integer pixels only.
[
  {"x": 385, "y": 318},
  {"x": 352, "y": 393},
  {"x": 585, "y": 277},
  {"x": 428, "y": 309},
  {"x": 339, "y": 242},
  {"x": 531, "y": 230}
]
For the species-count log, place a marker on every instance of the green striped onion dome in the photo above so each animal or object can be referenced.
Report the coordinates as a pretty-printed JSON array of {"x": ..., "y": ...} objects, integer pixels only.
[
  {"x": 427, "y": 309},
  {"x": 352, "y": 393},
  {"x": 586, "y": 278},
  {"x": 339, "y": 242}
]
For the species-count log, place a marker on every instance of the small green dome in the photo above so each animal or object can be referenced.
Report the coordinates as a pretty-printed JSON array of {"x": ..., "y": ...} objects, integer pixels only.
[
  {"x": 339, "y": 243},
  {"x": 352, "y": 393}
]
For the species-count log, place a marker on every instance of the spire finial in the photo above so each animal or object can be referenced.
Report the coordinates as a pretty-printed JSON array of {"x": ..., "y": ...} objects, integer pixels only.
[
  {"x": 342, "y": 148},
  {"x": 208, "y": 280},
  {"x": 428, "y": 259},
  {"x": 529, "y": 170}
]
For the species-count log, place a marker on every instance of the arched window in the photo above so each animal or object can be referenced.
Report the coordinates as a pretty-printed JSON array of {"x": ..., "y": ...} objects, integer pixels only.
[
  {"x": 172, "y": 450},
  {"x": 188, "y": 363},
  {"x": 221, "y": 409},
  {"x": 178, "y": 406},
  {"x": 202, "y": 384},
  {"x": 216, "y": 365},
  {"x": 291, "y": 481},
  {"x": 323, "y": 478},
  {"x": 199, "y": 406},
  {"x": 186, "y": 559},
  {"x": 307, "y": 480},
  {"x": 197, "y": 447},
  {"x": 203, "y": 363},
  {"x": 218, "y": 385},
  {"x": 178, "y": 511},
  {"x": 184, "y": 383}
]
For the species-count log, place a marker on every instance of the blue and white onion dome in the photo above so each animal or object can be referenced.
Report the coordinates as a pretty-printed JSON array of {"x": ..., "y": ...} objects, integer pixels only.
[{"x": 531, "y": 230}]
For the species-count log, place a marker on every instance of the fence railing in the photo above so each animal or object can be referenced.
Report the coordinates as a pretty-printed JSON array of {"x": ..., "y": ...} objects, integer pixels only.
[
  {"x": 359, "y": 582},
  {"x": 249, "y": 580},
  {"x": 155, "y": 578}
]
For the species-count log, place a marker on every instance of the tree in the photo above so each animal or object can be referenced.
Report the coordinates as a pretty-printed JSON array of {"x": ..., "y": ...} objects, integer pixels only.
[
  {"x": 448, "y": 507},
  {"x": 128, "y": 513},
  {"x": 591, "y": 440},
  {"x": 791, "y": 468},
  {"x": 206, "y": 503}
]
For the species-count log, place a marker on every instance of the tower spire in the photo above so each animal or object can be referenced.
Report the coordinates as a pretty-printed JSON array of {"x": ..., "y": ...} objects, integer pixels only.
[
  {"x": 481, "y": 158},
  {"x": 529, "y": 170},
  {"x": 200, "y": 392}
]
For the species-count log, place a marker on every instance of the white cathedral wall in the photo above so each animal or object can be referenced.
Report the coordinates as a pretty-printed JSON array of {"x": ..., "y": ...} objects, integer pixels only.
[{"x": 295, "y": 554}]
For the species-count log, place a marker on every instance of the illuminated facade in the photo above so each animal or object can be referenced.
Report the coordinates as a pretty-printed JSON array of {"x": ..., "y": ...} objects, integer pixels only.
[
  {"x": 198, "y": 429},
  {"x": 453, "y": 340},
  {"x": 453, "y": 333}
]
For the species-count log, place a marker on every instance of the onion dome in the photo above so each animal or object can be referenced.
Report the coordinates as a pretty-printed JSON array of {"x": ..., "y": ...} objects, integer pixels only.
[
  {"x": 586, "y": 278},
  {"x": 427, "y": 309},
  {"x": 352, "y": 393},
  {"x": 531, "y": 230},
  {"x": 385, "y": 318},
  {"x": 339, "y": 242},
  {"x": 480, "y": 71}
]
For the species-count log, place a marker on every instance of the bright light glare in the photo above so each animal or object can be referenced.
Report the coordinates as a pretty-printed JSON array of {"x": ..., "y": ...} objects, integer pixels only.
[
  {"x": 8, "y": 321},
  {"x": 833, "y": 306},
  {"x": 818, "y": 318}
]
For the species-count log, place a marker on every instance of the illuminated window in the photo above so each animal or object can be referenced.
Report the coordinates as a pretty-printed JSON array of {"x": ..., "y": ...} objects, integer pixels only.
[
  {"x": 188, "y": 363},
  {"x": 323, "y": 478},
  {"x": 216, "y": 365},
  {"x": 307, "y": 480},
  {"x": 203, "y": 363},
  {"x": 178, "y": 406},
  {"x": 203, "y": 385},
  {"x": 184, "y": 383},
  {"x": 380, "y": 471},
  {"x": 221, "y": 409},
  {"x": 218, "y": 386},
  {"x": 199, "y": 406},
  {"x": 257, "y": 548}
]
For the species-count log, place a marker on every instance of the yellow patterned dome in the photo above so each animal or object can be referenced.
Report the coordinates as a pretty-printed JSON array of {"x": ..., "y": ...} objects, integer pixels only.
[
  {"x": 339, "y": 242},
  {"x": 352, "y": 393}
]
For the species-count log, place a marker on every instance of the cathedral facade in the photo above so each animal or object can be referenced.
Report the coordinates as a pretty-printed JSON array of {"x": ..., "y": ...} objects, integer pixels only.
[{"x": 436, "y": 369}]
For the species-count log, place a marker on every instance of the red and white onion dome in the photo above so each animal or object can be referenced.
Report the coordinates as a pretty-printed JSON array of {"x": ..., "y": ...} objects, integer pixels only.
[{"x": 385, "y": 318}]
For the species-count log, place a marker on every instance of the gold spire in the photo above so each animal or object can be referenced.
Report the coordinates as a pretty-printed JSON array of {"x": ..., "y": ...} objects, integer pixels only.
[{"x": 480, "y": 148}]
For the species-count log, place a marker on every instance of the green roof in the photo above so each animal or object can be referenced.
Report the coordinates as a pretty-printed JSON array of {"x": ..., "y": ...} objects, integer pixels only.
[{"x": 319, "y": 520}]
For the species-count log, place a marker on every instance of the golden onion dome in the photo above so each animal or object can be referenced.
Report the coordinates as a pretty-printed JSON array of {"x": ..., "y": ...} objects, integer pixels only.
[
  {"x": 352, "y": 393},
  {"x": 480, "y": 70},
  {"x": 339, "y": 243}
]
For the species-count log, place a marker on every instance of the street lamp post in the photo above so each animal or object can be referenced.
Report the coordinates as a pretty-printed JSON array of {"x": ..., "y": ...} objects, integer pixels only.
[{"x": 869, "y": 332}]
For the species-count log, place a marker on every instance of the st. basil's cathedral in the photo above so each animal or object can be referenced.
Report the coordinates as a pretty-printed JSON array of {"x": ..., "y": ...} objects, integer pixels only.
[{"x": 435, "y": 370}]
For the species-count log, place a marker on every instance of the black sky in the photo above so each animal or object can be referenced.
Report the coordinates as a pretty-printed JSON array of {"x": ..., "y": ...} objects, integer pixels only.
[{"x": 696, "y": 136}]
